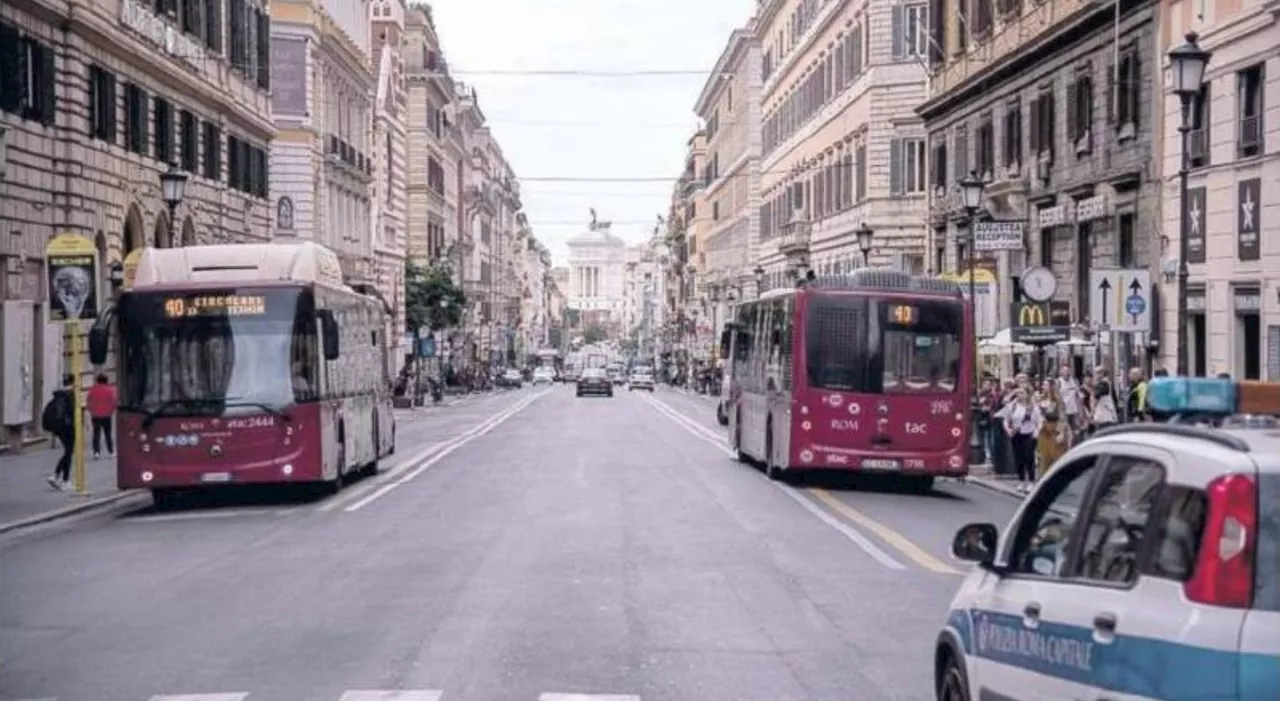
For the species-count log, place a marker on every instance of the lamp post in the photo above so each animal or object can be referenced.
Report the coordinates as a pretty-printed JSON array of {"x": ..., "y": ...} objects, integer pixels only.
[
  {"x": 759, "y": 275},
  {"x": 971, "y": 188},
  {"x": 865, "y": 234},
  {"x": 173, "y": 187},
  {"x": 1188, "y": 62}
]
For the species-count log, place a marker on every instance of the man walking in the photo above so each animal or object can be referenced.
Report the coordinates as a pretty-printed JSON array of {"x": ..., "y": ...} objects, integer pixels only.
[
  {"x": 101, "y": 402},
  {"x": 58, "y": 418}
]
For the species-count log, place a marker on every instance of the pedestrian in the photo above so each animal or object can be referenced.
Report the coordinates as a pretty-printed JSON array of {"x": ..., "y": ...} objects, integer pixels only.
[
  {"x": 1023, "y": 422},
  {"x": 58, "y": 418},
  {"x": 101, "y": 402},
  {"x": 1105, "y": 407}
]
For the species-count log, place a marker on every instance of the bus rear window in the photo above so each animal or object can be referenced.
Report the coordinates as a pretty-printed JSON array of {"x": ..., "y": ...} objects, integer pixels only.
[{"x": 882, "y": 346}]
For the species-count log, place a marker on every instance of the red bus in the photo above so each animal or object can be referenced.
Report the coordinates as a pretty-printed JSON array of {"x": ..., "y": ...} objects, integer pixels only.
[
  {"x": 868, "y": 372},
  {"x": 246, "y": 364}
]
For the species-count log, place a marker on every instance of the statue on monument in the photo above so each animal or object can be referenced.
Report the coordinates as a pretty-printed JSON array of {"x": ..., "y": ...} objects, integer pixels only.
[{"x": 596, "y": 224}]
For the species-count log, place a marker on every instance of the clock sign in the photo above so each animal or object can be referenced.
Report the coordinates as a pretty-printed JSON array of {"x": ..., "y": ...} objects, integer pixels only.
[{"x": 1039, "y": 284}]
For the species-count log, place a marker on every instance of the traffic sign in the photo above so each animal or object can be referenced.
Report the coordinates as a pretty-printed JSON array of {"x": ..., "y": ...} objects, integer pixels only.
[
  {"x": 1034, "y": 323},
  {"x": 1120, "y": 299}
]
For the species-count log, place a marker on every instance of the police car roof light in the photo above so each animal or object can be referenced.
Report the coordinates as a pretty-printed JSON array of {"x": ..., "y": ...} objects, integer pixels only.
[{"x": 1192, "y": 395}]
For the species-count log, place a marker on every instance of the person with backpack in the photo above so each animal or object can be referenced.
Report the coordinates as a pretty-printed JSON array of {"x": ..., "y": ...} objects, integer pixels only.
[{"x": 58, "y": 419}]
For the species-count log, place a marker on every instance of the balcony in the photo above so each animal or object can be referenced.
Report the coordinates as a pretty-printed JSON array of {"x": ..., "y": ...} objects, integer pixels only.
[
  {"x": 795, "y": 238},
  {"x": 1010, "y": 34}
]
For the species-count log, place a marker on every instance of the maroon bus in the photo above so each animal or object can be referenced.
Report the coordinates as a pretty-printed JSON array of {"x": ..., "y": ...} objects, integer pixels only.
[
  {"x": 246, "y": 364},
  {"x": 868, "y": 372}
]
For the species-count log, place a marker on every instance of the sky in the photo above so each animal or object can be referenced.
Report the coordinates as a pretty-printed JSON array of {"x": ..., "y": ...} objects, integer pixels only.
[{"x": 589, "y": 127}]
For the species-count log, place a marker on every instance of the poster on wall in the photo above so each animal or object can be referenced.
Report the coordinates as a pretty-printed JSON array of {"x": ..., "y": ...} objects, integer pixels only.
[
  {"x": 1195, "y": 205},
  {"x": 1248, "y": 213}
]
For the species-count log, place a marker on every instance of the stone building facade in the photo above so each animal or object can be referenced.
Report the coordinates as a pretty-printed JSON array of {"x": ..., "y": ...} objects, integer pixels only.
[
  {"x": 98, "y": 97},
  {"x": 1062, "y": 132}
]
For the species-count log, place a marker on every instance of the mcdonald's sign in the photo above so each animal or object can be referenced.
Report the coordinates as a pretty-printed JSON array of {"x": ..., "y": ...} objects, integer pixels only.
[{"x": 1035, "y": 323}]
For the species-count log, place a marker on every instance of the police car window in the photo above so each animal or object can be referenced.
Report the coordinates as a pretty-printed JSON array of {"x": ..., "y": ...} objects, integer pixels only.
[
  {"x": 1118, "y": 520},
  {"x": 1044, "y": 534},
  {"x": 1180, "y": 527}
]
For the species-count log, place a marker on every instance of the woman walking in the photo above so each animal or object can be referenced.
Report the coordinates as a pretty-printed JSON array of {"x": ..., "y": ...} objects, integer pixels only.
[
  {"x": 1023, "y": 422},
  {"x": 1055, "y": 432}
]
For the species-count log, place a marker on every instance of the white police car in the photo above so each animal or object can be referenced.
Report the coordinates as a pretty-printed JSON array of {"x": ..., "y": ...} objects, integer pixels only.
[{"x": 1145, "y": 565}]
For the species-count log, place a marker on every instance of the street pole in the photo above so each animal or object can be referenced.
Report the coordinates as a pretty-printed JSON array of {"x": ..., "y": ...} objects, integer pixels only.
[
  {"x": 1184, "y": 248},
  {"x": 977, "y": 451}
]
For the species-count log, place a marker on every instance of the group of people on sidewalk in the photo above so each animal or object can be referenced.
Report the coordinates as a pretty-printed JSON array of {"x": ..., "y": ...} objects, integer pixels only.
[
  {"x": 58, "y": 418},
  {"x": 1027, "y": 423}
]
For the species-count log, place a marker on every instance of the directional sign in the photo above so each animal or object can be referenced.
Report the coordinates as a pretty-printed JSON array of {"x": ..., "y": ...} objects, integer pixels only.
[
  {"x": 1120, "y": 300},
  {"x": 1033, "y": 322}
]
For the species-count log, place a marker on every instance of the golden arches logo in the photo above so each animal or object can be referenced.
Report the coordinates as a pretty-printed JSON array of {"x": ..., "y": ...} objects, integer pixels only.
[{"x": 1032, "y": 315}]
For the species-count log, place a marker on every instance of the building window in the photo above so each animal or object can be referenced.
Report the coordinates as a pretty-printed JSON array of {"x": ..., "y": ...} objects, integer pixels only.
[
  {"x": 1198, "y": 137},
  {"x": 1013, "y": 136},
  {"x": 193, "y": 17},
  {"x": 1041, "y": 125},
  {"x": 212, "y": 24},
  {"x": 1250, "y": 83},
  {"x": 985, "y": 151},
  {"x": 102, "y": 104},
  {"x": 860, "y": 172},
  {"x": 212, "y": 146},
  {"x": 435, "y": 176},
  {"x": 137, "y": 119},
  {"x": 164, "y": 130},
  {"x": 167, "y": 7},
  {"x": 1080, "y": 115},
  {"x": 938, "y": 165},
  {"x": 907, "y": 166},
  {"x": 1126, "y": 246},
  {"x": 1084, "y": 265},
  {"x": 1046, "y": 247},
  {"x": 1129, "y": 92},
  {"x": 983, "y": 19},
  {"x": 916, "y": 27},
  {"x": 27, "y": 76},
  {"x": 189, "y": 142}
]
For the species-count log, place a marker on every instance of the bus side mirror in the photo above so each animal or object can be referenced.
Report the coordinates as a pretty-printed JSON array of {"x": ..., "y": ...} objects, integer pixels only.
[
  {"x": 100, "y": 337},
  {"x": 328, "y": 334},
  {"x": 726, "y": 338}
]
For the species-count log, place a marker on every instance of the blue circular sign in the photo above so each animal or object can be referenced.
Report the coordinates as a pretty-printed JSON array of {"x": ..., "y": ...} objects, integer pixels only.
[{"x": 1135, "y": 305}]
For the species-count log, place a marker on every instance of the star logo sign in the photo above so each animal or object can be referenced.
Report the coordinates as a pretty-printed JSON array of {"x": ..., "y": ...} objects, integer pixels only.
[
  {"x": 1246, "y": 211},
  {"x": 1195, "y": 216}
]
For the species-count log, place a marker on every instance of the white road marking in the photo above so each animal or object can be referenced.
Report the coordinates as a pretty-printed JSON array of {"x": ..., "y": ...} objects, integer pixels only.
[
  {"x": 857, "y": 538},
  {"x": 237, "y": 696},
  {"x": 450, "y": 446},
  {"x": 368, "y": 485},
  {"x": 552, "y": 696},
  {"x": 405, "y": 695}
]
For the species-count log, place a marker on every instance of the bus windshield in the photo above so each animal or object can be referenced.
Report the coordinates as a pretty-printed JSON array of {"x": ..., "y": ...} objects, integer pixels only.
[
  {"x": 217, "y": 352},
  {"x": 882, "y": 345}
]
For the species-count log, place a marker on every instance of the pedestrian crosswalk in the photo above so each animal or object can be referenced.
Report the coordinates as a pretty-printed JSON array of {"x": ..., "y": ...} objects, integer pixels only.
[{"x": 367, "y": 695}]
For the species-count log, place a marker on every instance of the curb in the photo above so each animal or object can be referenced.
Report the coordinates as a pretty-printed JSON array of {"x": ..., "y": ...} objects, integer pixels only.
[
  {"x": 994, "y": 486},
  {"x": 55, "y": 514}
]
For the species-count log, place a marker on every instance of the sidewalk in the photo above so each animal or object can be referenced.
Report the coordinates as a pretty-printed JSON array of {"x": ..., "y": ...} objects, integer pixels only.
[
  {"x": 26, "y": 498},
  {"x": 983, "y": 476}
]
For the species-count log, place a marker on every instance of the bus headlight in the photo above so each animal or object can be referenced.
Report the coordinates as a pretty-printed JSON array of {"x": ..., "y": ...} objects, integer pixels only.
[{"x": 147, "y": 477}]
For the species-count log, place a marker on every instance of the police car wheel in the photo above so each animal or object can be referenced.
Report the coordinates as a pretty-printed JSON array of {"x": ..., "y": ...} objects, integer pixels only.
[{"x": 952, "y": 686}]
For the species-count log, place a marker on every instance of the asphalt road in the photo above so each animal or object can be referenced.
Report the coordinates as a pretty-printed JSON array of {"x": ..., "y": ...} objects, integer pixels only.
[{"x": 516, "y": 547}]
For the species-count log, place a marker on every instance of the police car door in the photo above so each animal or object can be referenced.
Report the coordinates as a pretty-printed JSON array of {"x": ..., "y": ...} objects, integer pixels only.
[{"x": 1019, "y": 651}]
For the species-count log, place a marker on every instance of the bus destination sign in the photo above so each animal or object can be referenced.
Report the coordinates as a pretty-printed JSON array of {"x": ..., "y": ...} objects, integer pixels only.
[
  {"x": 903, "y": 314},
  {"x": 215, "y": 305}
]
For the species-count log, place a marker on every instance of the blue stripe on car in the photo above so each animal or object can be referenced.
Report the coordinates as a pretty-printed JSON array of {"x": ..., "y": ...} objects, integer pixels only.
[{"x": 1130, "y": 664}]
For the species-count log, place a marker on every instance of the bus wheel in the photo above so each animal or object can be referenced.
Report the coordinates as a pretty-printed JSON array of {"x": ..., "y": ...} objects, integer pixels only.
[
  {"x": 334, "y": 485},
  {"x": 737, "y": 441},
  {"x": 770, "y": 468}
]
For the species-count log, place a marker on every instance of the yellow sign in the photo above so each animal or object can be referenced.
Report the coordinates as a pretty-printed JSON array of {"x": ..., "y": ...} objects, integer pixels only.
[
  {"x": 903, "y": 314},
  {"x": 1032, "y": 314},
  {"x": 215, "y": 305},
  {"x": 70, "y": 245},
  {"x": 130, "y": 264}
]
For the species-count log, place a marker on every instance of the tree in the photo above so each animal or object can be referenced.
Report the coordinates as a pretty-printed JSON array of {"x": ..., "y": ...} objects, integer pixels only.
[
  {"x": 431, "y": 298},
  {"x": 594, "y": 333}
]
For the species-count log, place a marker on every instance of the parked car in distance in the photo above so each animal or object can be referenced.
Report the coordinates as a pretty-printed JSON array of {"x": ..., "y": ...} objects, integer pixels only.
[
  {"x": 543, "y": 376},
  {"x": 594, "y": 381},
  {"x": 511, "y": 379},
  {"x": 641, "y": 378}
]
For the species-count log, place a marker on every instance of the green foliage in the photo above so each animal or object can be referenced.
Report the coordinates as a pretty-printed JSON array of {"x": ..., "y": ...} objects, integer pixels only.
[
  {"x": 431, "y": 298},
  {"x": 594, "y": 334},
  {"x": 572, "y": 317}
]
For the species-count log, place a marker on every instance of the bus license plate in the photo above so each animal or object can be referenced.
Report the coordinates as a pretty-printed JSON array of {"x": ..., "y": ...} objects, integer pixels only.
[
  {"x": 216, "y": 477},
  {"x": 879, "y": 464}
]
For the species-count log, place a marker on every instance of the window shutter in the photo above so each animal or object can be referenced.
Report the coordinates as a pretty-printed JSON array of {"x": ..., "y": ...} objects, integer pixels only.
[
  {"x": 897, "y": 26},
  {"x": 48, "y": 89},
  {"x": 1135, "y": 89},
  {"x": 109, "y": 103},
  {"x": 861, "y": 171},
  {"x": 213, "y": 24},
  {"x": 895, "y": 167},
  {"x": 1073, "y": 117},
  {"x": 13, "y": 69},
  {"x": 1033, "y": 119},
  {"x": 264, "y": 50},
  {"x": 1111, "y": 94},
  {"x": 1049, "y": 114}
]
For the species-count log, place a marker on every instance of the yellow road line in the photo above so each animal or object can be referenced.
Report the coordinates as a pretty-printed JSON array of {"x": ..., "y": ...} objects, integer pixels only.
[{"x": 888, "y": 535}]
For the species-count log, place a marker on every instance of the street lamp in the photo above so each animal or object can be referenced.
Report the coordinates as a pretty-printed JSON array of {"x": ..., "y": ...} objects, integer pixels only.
[
  {"x": 865, "y": 234},
  {"x": 759, "y": 275},
  {"x": 1188, "y": 62},
  {"x": 173, "y": 187},
  {"x": 971, "y": 188}
]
